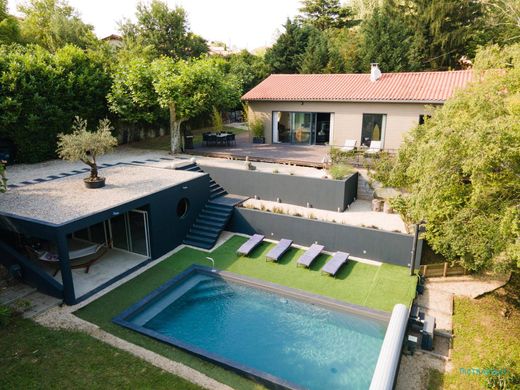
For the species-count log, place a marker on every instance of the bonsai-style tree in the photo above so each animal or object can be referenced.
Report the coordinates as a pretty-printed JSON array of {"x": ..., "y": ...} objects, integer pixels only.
[{"x": 85, "y": 146}]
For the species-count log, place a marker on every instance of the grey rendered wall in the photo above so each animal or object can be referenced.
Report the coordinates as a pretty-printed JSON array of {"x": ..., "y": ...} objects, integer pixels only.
[
  {"x": 323, "y": 194},
  {"x": 379, "y": 245}
]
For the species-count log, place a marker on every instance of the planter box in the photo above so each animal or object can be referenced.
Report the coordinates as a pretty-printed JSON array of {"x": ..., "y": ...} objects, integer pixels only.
[
  {"x": 326, "y": 194},
  {"x": 259, "y": 140}
]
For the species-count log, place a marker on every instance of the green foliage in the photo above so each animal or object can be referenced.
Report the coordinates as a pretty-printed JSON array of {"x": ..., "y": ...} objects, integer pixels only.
[
  {"x": 502, "y": 21},
  {"x": 40, "y": 93},
  {"x": 3, "y": 178},
  {"x": 338, "y": 156},
  {"x": 216, "y": 118},
  {"x": 256, "y": 125},
  {"x": 165, "y": 30},
  {"x": 9, "y": 26},
  {"x": 189, "y": 88},
  {"x": 285, "y": 55},
  {"x": 326, "y": 14},
  {"x": 462, "y": 168},
  {"x": 53, "y": 24},
  {"x": 347, "y": 43},
  {"x": 320, "y": 56},
  {"x": 5, "y": 316},
  {"x": 85, "y": 146},
  {"x": 340, "y": 171},
  {"x": 248, "y": 68},
  {"x": 386, "y": 38},
  {"x": 132, "y": 95}
]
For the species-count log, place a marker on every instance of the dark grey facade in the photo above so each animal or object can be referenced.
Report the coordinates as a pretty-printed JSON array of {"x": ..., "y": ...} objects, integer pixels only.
[
  {"x": 320, "y": 193},
  {"x": 379, "y": 245},
  {"x": 166, "y": 230}
]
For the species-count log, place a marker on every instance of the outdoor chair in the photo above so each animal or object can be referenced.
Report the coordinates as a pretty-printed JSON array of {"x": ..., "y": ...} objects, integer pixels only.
[
  {"x": 249, "y": 245},
  {"x": 349, "y": 146},
  {"x": 230, "y": 139},
  {"x": 334, "y": 264},
  {"x": 375, "y": 147},
  {"x": 278, "y": 251},
  {"x": 310, "y": 255}
]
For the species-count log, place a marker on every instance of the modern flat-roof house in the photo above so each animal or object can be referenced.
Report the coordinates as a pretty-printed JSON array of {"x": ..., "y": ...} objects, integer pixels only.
[
  {"x": 329, "y": 109},
  {"x": 70, "y": 241}
]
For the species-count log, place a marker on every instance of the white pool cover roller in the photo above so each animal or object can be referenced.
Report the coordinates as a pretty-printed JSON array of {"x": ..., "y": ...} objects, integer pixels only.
[{"x": 386, "y": 367}]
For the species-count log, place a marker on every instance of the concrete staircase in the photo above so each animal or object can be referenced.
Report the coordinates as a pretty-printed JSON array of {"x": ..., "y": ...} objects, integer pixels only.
[
  {"x": 215, "y": 190},
  {"x": 213, "y": 218},
  {"x": 210, "y": 222}
]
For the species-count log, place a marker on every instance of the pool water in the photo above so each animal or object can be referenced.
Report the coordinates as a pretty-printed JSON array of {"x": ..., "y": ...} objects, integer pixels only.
[{"x": 307, "y": 345}]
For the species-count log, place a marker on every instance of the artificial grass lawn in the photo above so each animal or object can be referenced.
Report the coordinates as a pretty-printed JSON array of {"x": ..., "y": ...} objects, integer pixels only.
[
  {"x": 35, "y": 357},
  {"x": 377, "y": 287},
  {"x": 484, "y": 339}
]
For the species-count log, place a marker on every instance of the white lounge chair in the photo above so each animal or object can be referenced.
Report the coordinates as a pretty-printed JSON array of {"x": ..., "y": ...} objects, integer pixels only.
[
  {"x": 375, "y": 147},
  {"x": 350, "y": 145}
]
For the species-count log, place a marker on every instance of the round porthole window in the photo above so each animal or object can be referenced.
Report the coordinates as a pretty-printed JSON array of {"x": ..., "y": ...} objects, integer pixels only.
[{"x": 182, "y": 207}]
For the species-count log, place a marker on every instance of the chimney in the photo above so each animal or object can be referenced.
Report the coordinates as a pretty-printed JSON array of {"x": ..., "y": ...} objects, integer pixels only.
[{"x": 375, "y": 73}]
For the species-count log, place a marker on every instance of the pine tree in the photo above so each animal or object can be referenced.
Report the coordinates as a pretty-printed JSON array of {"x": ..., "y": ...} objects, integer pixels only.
[{"x": 325, "y": 14}]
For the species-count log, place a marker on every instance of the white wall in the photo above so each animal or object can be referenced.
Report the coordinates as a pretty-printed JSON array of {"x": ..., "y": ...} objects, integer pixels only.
[{"x": 348, "y": 117}]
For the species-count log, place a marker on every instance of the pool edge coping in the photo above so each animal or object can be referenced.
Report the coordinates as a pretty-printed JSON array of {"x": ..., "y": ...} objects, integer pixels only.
[{"x": 238, "y": 368}]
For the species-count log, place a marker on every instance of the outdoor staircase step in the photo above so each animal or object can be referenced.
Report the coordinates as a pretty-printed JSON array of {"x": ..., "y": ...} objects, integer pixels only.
[
  {"x": 198, "y": 244},
  {"x": 207, "y": 228},
  {"x": 202, "y": 233}
]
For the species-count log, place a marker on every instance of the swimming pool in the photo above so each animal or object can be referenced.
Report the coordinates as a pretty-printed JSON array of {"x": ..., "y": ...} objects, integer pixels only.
[{"x": 276, "y": 335}]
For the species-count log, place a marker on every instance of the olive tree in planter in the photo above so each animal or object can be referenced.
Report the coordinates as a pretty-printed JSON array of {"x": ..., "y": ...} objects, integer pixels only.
[
  {"x": 85, "y": 146},
  {"x": 3, "y": 178}
]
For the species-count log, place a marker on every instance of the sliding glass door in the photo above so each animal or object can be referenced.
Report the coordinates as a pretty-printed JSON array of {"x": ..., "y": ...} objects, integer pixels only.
[{"x": 299, "y": 127}]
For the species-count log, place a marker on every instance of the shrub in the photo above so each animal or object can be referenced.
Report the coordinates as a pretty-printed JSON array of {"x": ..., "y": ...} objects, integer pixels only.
[
  {"x": 337, "y": 156},
  {"x": 257, "y": 127},
  {"x": 5, "y": 316},
  {"x": 40, "y": 93},
  {"x": 339, "y": 171},
  {"x": 216, "y": 119}
]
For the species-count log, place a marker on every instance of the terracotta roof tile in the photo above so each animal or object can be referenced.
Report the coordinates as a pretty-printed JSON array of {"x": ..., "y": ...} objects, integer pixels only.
[{"x": 427, "y": 87}]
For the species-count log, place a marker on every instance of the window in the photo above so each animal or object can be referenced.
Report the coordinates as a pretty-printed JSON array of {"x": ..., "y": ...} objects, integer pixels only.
[
  {"x": 182, "y": 207},
  {"x": 373, "y": 128},
  {"x": 422, "y": 118}
]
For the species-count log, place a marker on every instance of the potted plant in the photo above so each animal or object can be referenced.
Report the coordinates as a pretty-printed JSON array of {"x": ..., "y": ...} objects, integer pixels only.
[
  {"x": 257, "y": 128},
  {"x": 85, "y": 146}
]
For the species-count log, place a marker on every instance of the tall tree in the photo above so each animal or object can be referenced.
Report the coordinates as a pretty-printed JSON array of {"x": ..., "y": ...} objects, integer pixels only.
[
  {"x": 321, "y": 57},
  {"x": 187, "y": 88},
  {"x": 9, "y": 27},
  {"x": 348, "y": 44},
  {"x": 249, "y": 68},
  {"x": 165, "y": 30},
  {"x": 445, "y": 30},
  {"x": 325, "y": 14},
  {"x": 386, "y": 38},
  {"x": 502, "y": 21},
  {"x": 285, "y": 55},
  {"x": 54, "y": 24},
  {"x": 462, "y": 168}
]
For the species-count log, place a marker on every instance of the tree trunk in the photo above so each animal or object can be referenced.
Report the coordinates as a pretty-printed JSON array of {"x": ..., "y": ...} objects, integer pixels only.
[
  {"x": 93, "y": 168},
  {"x": 175, "y": 131}
]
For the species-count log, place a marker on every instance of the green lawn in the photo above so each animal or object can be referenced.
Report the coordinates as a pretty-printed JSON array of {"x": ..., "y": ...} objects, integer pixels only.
[
  {"x": 163, "y": 142},
  {"x": 485, "y": 338},
  {"x": 372, "y": 286},
  {"x": 35, "y": 357}
]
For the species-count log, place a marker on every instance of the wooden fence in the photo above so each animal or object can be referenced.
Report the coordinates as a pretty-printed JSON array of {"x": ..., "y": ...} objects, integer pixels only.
[{"x": 442, "y": 270}]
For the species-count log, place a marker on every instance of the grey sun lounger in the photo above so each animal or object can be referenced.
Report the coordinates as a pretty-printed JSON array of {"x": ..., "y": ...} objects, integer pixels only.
[
  {"x": 277, "y": 252},
  {"x": 251, "y": 244},
  {"x": 334, "y": 264},
  {"x": 310, "y": 255}
]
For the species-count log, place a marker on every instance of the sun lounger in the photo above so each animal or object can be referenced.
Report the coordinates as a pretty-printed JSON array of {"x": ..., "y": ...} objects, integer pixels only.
[
  {"x": 375, "y": 147},
  {"x": 277, "y": 252},
  {"x": 349, "y": 146},
  {"x": 251, "y": 244},
  {"x": 310, "y": 255},
  {"x": 334, "y": 264}
]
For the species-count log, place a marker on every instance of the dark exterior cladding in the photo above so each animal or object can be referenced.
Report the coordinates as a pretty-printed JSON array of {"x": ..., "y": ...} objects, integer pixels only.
[{"x": 166, "y": 230}]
